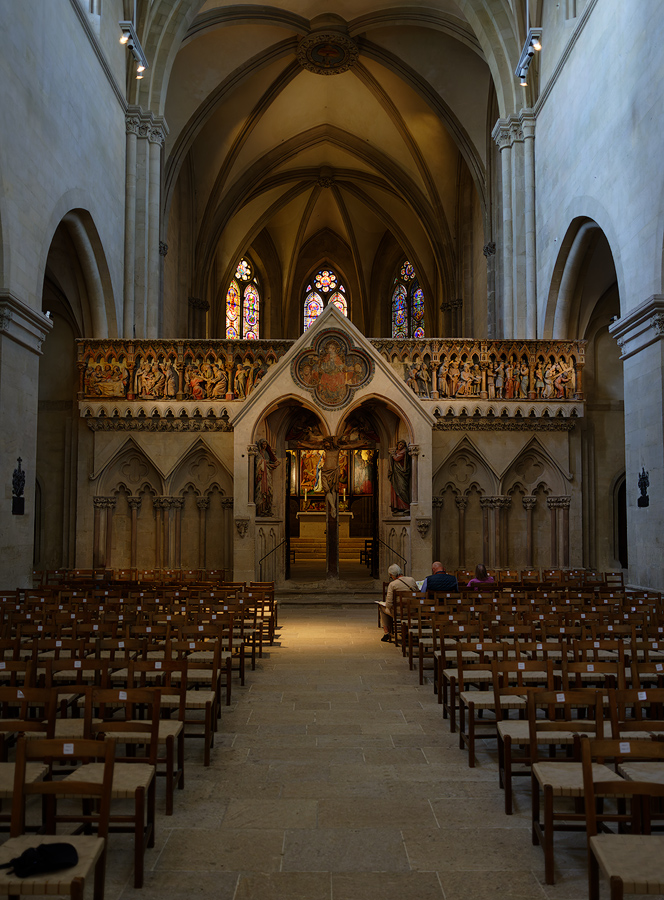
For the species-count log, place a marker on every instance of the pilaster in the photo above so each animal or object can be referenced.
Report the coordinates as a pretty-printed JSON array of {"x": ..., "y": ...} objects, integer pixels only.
[
  {"x": 22, "y": 331},
  {"x": 640, "y": 336}
]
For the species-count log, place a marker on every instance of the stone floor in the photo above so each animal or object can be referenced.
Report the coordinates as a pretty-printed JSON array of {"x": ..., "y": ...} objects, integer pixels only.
[{"x": 334, "y": 777}]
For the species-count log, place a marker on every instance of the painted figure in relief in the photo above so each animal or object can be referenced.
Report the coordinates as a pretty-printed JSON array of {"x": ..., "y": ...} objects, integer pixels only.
[
  {"x": 491, "y": 383},
  {"x": 453, "y": 375},
  {"x": 525, "y": 379},
  {"x": 442, "y": 379},
  {"x": 399, "y": 475},
  {"x": 500, "y": 379},
  {"x": 550, "y": 373},
  {"x": 463, "y": 388},
  {"x": 171, "y": 377},
  {"x": 218, "y": 384},
  {"x": 564, "y": 382},
  {"x": 266, "y": 463},
  {"x": 411, "y": 379},
  {"x": 539, "y": 381},
  {"x": 476, "y": 381}
]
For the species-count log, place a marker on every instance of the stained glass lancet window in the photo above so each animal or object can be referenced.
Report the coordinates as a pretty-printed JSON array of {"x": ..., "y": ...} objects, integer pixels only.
[
  {"x": 324, "y": 288},
  {"x": 407, "y": 304},
  {"x": 243, "y": 303}
]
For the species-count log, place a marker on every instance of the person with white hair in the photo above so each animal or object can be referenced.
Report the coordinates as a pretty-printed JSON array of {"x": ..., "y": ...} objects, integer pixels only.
[{"x": 398, "y": 582}]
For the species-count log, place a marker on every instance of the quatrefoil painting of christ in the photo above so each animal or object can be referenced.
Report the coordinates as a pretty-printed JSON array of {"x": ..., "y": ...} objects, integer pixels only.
[{"x": 332, "y": 370}]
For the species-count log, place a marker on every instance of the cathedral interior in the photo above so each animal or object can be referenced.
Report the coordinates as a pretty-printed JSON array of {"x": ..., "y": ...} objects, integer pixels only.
[{"x": 276, "y": 281}]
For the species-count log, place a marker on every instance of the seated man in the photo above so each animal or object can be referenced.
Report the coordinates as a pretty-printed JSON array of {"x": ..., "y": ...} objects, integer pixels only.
[{"x": 439, "y": 580}]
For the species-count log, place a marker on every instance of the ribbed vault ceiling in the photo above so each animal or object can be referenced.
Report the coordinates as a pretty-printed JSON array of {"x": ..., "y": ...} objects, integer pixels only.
[{"x": 364, "y": 159}]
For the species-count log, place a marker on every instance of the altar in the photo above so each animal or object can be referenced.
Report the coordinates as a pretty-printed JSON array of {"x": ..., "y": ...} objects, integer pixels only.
[{"x": 313, "y": 524}]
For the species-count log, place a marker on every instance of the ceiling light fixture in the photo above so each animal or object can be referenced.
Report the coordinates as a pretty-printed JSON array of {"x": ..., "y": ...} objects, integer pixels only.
[{"x": 533, "y": 43}]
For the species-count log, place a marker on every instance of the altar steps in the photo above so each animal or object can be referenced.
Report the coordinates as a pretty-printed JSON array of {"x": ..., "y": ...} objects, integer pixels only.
[{"x": 311, "y": 549}]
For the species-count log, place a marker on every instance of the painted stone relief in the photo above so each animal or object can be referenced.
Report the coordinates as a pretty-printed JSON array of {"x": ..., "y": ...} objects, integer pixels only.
[
  {"x": 167, "y": 370},
  {"x": 332, "y": 370}
]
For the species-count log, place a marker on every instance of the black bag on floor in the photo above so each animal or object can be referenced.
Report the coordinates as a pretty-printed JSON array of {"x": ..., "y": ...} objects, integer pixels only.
[{"x": 44, "y": 858}]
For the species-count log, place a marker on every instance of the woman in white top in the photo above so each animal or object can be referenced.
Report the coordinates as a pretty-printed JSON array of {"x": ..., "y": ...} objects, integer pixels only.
[{"x": 398, "y": 582}]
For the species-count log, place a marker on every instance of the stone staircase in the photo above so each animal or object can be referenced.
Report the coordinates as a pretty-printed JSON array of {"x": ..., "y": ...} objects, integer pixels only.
[{"x": 313, "y": 550}]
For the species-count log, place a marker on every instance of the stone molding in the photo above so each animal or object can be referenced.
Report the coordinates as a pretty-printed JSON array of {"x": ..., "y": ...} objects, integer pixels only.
[
  {"x": 558, "y": 502},
  {"x": 22, "y": 324},
  {"x": 640, "y": 328},
  {"x": 462, "y": 423},
  {"x": 159, "y": 420}
]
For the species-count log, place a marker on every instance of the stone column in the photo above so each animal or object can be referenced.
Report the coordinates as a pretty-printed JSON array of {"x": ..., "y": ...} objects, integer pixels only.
[
  {"x": 503, "y": 138},
  {"x": 502, "y": 505},
  {"x": 528, "y": 128},
  {"x": 227, "y": 506},
  {"x": 203, "y": 504},
  {"x": 485, "y": 504},
  {"x": 552, "y": 503},
  {"x": 414, "y": 452},
  {"x": 177, "y": 503},
  {"x": 252, "y": 450},
  {"x": 518, "y": 230},
  {"x": 156, "y": 138},
  {"x": 99, "y": 503},
  {"x": 461, "y": 504},
  {"x": 110, "y": 506},
  {"x": 437, "y": 503},
  {"x": 134, "y": 506},
  {"x": 132, "y": 125},
  {"x": 564, "y": 504},
  {"x": 529, "y": 505},
  {"x": 489, "y": 251},
  {"x": 166, "y": 519}
]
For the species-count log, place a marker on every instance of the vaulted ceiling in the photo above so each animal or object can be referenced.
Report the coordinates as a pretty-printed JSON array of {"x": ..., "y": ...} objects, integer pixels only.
[{"x": 353, "y": 167}]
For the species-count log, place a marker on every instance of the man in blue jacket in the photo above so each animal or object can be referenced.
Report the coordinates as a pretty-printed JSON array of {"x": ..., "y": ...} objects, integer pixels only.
[{"x": 439, "y": 580}]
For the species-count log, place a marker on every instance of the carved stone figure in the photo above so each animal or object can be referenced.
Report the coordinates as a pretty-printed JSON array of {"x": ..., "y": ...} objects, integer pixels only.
[
  {"x": 266, "y": 463},
  {"x": 442, "y": 379},
  {"x": 400, "y": 475}
]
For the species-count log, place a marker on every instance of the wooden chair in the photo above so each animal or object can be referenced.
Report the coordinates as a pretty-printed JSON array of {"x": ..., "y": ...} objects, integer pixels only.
[
  {"x": 558, "y": 778},
  {"x": 636, "y": 714},
  {"x": 91, "y": 849},
  {"x": 170, "y": 677},
  {"x": 116, "y": 716},
  {"x": 533, "y": 677},
  {"x": 202, "y": 688},
  {"x": 633, "y": 863}
]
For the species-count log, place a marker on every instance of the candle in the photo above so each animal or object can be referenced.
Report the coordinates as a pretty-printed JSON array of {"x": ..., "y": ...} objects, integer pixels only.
[{"x": 305, "y": 495}]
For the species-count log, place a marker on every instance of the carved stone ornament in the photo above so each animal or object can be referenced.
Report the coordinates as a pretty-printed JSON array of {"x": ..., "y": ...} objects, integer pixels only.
[
  {"x": 332, "y": 370},
  {"x": 18, "y": 480},
  {"x": 242, "y": 526},
  {"x": 163, "y": 248},
  {"x": 327, "y": 52},
  {"x": 644, "y": 484},
  {"x": 423, "y": 526},
  {"x": 657, "y": 324},
  {"x": 529, "y": 502},
  {"x": 489, "y": 249}
]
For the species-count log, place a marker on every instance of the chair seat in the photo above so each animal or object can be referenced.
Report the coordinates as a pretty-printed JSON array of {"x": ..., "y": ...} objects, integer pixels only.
[
  {"x": 485, "y": 700},
  {"x": 89, "y": 849},
  {"x": 195, "y": 700},
  {"x": 127, "y": 777},
  {"x": 33, "y": 772},
  {"x": 566, "y": 778},
  {"x": 637, "y": 859},
  {"x": 518, "y": 730},
  {"x": 642, "y": 771},
  {"x": 167, "y": 728}
]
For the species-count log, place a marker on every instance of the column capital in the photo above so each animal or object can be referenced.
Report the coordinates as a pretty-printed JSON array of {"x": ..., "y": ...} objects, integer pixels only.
[
  {"x": 134, "y": 502},
  {"x": 437, "y": 502},
  {"x": 423, "y": 525},
  {"x": 529, "y": 502},
  {"x": 516, "y": 131},
  {"x": 413, "y": 449},
  {"x": 242, "y": 526},
  {"x": 502, "y": 135},
  {"x": 227, "y": 503},
  {"x": 203, "y": 502},
  {"x": 252, "y": 449},
  {"x": 22, "y": 324},
  {"x": 527, "y": 120},
  {"x": 641, "y": 327},
  {"x": 558, "y": 502},
  {"x": 461, "y": 502},
  {"x": 489, "y": 249}
]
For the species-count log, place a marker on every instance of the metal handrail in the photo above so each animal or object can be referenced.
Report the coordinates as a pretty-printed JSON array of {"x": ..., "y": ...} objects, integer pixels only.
[
  {"x": 273, "y": 550},
  {"x": 391, "y": 549}
]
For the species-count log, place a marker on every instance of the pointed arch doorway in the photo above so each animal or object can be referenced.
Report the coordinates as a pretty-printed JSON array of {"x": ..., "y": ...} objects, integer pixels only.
[{"x": 331, "y": 499}]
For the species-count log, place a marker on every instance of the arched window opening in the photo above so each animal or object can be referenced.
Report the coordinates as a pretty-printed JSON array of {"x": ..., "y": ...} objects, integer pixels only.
[
  {"x": 407, "y": 304},
  {"x": 324, "y": 288},
  {"x": 243, "y": 302}
]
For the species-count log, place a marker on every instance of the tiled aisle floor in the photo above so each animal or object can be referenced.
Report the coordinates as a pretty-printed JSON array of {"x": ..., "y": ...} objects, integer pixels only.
[{"x": 334, "y": 777}]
